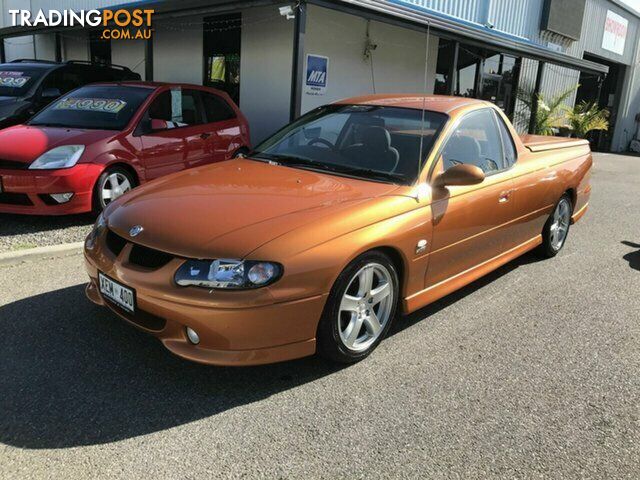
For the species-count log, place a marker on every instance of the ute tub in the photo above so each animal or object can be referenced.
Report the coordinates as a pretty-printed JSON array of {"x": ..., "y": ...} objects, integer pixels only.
[{"x": 542, "y": 143}]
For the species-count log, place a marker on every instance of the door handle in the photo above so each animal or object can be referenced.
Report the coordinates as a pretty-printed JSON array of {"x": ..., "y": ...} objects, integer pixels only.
[
  {"x": 204, "y": 136},
  {"x": 505, "y": 196}
]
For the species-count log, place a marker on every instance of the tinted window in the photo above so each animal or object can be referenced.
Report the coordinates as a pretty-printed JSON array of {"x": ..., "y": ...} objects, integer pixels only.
[
  {"x": 475, "y": 141},
  {"x": 507, "y": 142},
  {"x": 64, "y": 80},
  {"x": 16, "y": 80},
  {"x": 94, "y": 107},
  {"x": 216, "y": 109},
  {"x": 180, "y": 108},
  {"x": 362, "y": 140}
]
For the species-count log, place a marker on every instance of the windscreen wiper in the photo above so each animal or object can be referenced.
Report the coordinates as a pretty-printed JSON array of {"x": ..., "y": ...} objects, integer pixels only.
[{"x": 344, "y": 169}]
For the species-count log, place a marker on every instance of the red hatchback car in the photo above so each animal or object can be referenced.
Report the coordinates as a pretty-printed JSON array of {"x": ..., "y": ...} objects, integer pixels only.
[{"x": 99, "y": 141}]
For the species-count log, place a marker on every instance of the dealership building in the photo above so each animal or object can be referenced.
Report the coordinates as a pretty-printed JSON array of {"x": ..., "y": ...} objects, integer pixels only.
[{"x": 280, "y": 60}]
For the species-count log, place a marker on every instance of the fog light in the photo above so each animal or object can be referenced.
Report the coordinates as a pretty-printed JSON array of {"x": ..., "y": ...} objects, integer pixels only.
[
  {"x": 193, "y": 336},
  {"x": 62, "y": 197}
]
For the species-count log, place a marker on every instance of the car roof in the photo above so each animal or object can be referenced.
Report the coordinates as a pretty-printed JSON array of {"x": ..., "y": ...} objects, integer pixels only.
[
  {"x": 434, "y": 103},
  {"x": 32, "y": 65},
  {"x": 156, "y": 85}
]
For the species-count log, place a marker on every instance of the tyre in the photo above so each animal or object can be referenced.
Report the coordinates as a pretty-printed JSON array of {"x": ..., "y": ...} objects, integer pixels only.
[
  {"x": 360, "y": 309},
  {"x": 556, "y": 230},
  {"x": 112, "y": 184}
]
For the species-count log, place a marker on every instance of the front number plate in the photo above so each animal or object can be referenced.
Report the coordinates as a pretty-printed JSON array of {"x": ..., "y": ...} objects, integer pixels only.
[{"x": 122, "y": 296}]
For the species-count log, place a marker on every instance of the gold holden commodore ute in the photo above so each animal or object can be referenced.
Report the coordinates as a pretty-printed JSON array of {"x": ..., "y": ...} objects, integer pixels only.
[{"x": 316, "y": 241}]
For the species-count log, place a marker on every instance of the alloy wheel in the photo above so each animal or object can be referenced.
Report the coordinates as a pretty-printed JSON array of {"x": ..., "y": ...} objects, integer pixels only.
[
  {"x": 560, "y": 226},
  {"x": 365, "y": 308},
  {"x": 114, "y": 186}
]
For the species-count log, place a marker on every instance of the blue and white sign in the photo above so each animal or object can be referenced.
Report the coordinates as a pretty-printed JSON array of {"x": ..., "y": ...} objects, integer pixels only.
[{"x": 317, "y": 75}]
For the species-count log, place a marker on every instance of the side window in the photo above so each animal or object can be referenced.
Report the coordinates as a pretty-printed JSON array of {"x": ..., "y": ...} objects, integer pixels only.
[
  {"x": 216, "y": 109},
  {"x": 160, "y": 108},
  {"x": 510, "y": 156},
  {"x": 187, "y": 110},
  {"x": 191, "y": 112},
  {"x": 475, "y": 141},
  {"x": 64, "y": 79}
]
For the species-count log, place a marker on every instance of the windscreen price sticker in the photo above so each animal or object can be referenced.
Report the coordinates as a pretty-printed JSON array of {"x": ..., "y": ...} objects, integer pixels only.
[
  {"x": 101, "y": 105},
  {"x": 13, "y": 79}
]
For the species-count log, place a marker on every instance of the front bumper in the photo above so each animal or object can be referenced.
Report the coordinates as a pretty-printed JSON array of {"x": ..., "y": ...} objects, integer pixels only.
[
  {"x": 235, "y": 328},
  {"x": 23, "y": 190}
]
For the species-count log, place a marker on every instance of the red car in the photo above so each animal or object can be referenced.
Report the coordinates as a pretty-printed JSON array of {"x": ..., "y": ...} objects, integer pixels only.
[{"x": 99, "y": 141}]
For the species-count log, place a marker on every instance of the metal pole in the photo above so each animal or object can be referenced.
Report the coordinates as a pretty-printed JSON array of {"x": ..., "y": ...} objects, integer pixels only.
[
  {"x": 297, "y": 74},
  {"x": 58, "y": 40},
  {"x": 148, "y": 60},
  {"x": 453, "y": 68},
  {"x": 3, "y": 54},
  {"x": 534, "y": 99}
]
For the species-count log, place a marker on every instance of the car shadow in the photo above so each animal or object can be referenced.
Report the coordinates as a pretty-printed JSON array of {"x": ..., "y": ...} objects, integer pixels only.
[
  {"x": 444, "y": 302},
  {"x": 25, "y": 224},
  {"x": 73, "y": 374},
  {"x": 632, "y": 257}
]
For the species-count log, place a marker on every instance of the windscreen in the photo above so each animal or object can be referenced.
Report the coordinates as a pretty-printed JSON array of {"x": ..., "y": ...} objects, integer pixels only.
[
  {"x": 16, "y": 81},
  {"x": 373, "y": 142},
  {"x": 94, "y": 107}
]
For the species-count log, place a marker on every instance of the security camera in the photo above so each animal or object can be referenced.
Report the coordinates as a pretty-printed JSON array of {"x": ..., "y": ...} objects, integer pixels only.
[{"x": 287, "y": 11}]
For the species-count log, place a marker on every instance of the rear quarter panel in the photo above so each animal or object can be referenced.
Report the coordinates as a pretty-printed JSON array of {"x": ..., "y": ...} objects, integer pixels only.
[{"x": 541, "y": 178}]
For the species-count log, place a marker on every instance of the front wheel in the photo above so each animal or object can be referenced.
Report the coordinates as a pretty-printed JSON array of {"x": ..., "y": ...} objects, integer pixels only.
[
  {"x": 360, "y": 309},
  {"x": 556, "y": 230},
  {"x": 112, "y": 184}
]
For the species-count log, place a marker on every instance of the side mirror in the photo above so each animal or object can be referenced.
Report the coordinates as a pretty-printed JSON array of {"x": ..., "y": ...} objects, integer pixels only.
[
  {"x": 157, "y": 125},
  {"x": 50, "y": 93},
  {"x": 462, "y": 174}
]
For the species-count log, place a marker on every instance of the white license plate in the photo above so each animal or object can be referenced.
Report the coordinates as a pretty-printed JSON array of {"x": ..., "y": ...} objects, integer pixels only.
[{"x": 122, "y": 296}]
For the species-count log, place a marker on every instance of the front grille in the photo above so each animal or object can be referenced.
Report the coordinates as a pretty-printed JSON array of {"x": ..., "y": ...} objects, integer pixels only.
[
  {"x": 9, "y": 198},
  {"x": 115, "y": 243},
  {"x": 13, "y": 165},
  {"x": 140, "y": 255},
  {"x": 148, "y": 257}
]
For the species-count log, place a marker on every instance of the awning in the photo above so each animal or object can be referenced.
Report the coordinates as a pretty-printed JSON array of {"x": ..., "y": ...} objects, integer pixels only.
[{"x": 403, "y": 13}]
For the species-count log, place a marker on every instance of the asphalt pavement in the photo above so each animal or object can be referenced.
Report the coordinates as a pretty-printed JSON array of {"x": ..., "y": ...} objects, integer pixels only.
[{"x": 531, "y": 372}]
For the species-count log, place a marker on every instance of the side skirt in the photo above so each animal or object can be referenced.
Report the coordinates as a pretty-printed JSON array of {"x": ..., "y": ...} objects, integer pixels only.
[{"x": 439, "y": 290}]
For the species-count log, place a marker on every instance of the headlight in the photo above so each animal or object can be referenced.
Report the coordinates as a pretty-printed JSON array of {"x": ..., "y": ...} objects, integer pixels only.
[
  {"x": 229, "y": 274},
  {"x": 98, "y": 228},
  {"x": 60, "y": 157}
]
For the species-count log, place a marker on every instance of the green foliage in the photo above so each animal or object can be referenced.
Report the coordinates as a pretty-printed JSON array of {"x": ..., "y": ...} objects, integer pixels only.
[
  {"x": 552, "y": 112},
  {"x": 586, "y": 117}
]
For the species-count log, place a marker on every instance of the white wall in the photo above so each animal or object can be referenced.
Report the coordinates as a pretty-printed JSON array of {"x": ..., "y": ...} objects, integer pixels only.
[
  {"x": 265, "y": 70},
  {"x": 19, "y": 47},
  {"x": 398, "y": 61},
  {"x": 177, "y": 52},
  {"x": 45, "y": 45},
  {"x": 75, "y": 45},
  {"x": 129, "y": 53}
]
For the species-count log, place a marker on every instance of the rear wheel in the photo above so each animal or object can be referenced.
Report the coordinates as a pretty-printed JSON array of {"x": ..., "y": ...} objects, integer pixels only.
[
  {"x": 556, "y": 230},
  {"x": 111, "y": 185},
  {"x": 360, "y": 309}
]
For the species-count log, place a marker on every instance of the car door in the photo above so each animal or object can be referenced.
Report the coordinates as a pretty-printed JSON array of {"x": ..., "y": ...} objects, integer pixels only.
[
  {"x": 192, "y": 123},
  {"x": 163, "y": 151},
  {"x": 469, "y": 221},
  {"x": 222, "y": 126}
]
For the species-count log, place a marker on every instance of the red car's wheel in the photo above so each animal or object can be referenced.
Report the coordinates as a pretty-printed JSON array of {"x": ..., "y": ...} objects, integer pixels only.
[{"x": 112, "y": 184}]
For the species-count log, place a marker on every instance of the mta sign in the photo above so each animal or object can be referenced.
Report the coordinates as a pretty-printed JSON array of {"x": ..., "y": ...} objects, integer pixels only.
[{"x": 317, "y": 75}]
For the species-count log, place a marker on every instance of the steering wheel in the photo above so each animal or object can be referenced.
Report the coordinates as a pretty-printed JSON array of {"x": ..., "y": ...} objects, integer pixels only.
[{"x": 322, "y": 141}]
